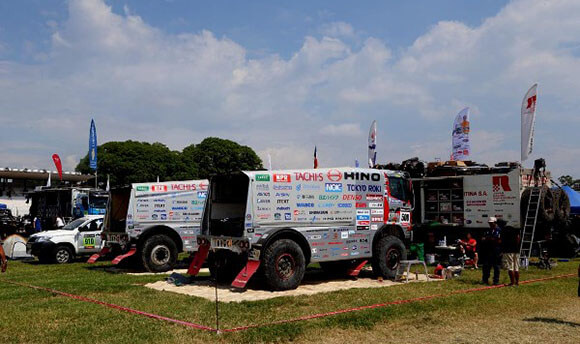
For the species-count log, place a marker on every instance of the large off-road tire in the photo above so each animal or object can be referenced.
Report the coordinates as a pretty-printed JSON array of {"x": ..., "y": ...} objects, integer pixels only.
[
  {"x": 546, "y": 212},
  {"x": 387, "y": 256},
  {"x": 159, "y": 253},
  {"x": 562, "y": 208},
  {"x": 62, "y": 255},
  {"x": 284, "y": 265}
]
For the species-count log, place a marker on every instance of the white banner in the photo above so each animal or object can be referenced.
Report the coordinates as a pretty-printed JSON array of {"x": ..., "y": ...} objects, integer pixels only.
[
  {"x": 460, "y": 136},
  {"x": 372, "y": 156},
  {"x": 528, "y": 121}
]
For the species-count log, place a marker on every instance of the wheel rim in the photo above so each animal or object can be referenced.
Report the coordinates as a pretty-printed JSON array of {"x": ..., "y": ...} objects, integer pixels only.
[
  {"x": 285, "y": 266},
  {"x": 62, "y": 256},
  {"x": 160, "y": 255},
  {"x": 393, "y": 257}
]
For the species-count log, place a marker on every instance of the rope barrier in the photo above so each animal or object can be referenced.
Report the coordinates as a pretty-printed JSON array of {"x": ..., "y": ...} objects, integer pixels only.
[{"x": 302, "y": 318}]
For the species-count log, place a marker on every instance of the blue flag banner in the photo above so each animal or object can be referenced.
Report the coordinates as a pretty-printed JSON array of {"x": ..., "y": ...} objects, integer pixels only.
[{"x": 93, "y": 146}]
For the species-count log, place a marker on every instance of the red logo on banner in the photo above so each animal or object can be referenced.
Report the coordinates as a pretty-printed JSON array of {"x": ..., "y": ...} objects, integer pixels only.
[
  {"x": 502, "y": 182},
  {"x": 532, "y": 103}
]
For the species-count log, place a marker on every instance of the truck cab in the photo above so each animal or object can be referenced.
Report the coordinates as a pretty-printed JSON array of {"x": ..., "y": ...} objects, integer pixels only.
[
  {"x": 284, "y": 220},
  {"x": 79, "y": 237}
]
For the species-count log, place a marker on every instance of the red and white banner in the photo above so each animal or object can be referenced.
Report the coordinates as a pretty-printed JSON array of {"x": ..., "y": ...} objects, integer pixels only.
[
  {"x": 58, "y": 165},
  {"x": 528, "y": 121}
]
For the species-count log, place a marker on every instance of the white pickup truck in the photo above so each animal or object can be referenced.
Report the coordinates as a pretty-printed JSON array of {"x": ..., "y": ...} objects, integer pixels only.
[{"x": 78, "y": 238}]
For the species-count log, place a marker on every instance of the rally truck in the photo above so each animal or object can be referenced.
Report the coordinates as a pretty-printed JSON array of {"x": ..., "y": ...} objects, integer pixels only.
[
  {"x": 153, "y": 222},
  {"x": 80, "y": 237},
  {"x": 281, "y": 221},
  {"x": 454, "y": 198}
]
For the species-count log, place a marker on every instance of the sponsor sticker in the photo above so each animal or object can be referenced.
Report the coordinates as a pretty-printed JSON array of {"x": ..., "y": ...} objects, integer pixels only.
[
  {"x": 333, "y": 187},
  {"x": 377, "y": 211},
  {"x": 262, "y": 177},
  {"x": 282, "y": 178}
]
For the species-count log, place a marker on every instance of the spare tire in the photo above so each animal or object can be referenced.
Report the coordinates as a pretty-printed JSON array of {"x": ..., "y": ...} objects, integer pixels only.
[
  {"x": 546, "y": 213},
  {"x": 562, "y": 207}
]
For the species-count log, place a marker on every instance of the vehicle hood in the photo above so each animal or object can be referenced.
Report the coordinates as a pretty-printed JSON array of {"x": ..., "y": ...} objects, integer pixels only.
[{"x": 54, "y": 233}]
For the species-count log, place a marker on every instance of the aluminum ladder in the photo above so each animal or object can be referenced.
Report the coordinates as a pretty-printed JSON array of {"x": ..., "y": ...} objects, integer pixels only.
[{"x": 530, "y": 221}]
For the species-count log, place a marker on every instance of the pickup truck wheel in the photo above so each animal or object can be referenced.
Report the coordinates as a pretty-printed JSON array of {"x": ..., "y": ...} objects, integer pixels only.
[
  {"x": 387, "y": 256},
  {"x": 284, "y": 265},
  {"x": 62, "y": 255},
  {"x": 159, "y": 253}
]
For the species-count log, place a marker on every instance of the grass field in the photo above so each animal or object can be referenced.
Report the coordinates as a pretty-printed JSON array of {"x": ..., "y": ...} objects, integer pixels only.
[{"x": 547, "y": 312}]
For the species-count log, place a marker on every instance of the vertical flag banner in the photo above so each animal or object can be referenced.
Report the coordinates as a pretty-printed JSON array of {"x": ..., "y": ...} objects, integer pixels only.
[
  {"x": 58, "y": 165},
  {"x": 356, "y": 164},
  {"x": 528, "y": 121},
  {"x": 315, "y": 158},
  {"x": 269, "y": 162},
  {"x": 48, "y": 183},
  {"x": 372, "y": 156},
  {"x": 460, "y": 136},
  {"x": 93, "y": 146}
]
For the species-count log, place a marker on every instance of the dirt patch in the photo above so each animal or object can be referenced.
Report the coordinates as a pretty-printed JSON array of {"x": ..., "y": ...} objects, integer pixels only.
[{"x": 313, "y": 283}]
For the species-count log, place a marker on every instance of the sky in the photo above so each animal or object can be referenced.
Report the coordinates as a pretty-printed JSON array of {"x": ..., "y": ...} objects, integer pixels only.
[{"x": 285, "y": 76}]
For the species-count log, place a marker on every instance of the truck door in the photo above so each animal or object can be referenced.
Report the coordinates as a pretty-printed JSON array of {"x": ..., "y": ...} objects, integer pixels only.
[{"x": 89, "y": 237}]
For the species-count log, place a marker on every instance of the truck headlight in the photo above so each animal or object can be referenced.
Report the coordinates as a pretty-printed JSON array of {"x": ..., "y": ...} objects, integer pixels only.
[{"x": 42, "y": 239}]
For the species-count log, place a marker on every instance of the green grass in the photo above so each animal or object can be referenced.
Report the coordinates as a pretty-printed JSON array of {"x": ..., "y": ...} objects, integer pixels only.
[{"x": 32, "y": 316}]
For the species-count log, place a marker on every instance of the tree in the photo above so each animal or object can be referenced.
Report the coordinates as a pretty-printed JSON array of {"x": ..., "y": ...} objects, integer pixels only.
[
  {"x": 566, "y": 180},
  {"x": 134, "y": 162},
  {"x": 219, "y": 156}
]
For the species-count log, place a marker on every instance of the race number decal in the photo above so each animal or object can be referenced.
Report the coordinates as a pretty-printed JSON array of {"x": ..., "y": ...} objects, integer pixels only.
[
  {"x": 89, "y": 241},
  {"x": 405, "y": 217}
]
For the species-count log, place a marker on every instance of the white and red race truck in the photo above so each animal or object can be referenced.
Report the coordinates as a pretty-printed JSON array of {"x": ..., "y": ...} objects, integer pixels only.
[
  {"x": 154, "y": 221},
  {"x": 283, "y": 220}
]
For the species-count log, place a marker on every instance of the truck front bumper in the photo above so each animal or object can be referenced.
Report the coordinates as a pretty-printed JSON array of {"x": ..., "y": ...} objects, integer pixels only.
[{"x": 234, "y": 244}]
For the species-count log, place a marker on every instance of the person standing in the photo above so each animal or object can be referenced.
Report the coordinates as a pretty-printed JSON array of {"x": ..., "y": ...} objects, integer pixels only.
[
  {"x": 3, "y": 260},
  {"x": 510, "y": 247},
  {"x": 59, "y": 223},
  {"x": 491, "y": 252},
  {"x": 470, "y": 249}
]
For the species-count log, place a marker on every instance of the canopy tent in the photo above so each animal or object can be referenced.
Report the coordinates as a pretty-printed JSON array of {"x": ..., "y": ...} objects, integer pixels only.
[{"x": 574, "y": 199}]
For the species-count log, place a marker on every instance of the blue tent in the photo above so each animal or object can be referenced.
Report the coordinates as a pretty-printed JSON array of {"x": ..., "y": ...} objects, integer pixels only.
[{"x": 574, "y": 199}]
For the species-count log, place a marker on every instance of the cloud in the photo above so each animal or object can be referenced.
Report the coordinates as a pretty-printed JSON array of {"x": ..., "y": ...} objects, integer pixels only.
[
  {"x": 342, "y": 130},
  {"x": 337, "y": 29},
  {"x": 142, "y": 83}
]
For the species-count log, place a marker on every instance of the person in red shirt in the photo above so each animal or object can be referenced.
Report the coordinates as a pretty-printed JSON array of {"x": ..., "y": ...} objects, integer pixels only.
[{"x": 470, "y": 248}]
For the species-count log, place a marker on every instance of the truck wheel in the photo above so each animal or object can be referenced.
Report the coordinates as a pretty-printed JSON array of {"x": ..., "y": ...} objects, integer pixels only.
[
  {"x": 387, "y": 256},
  {"x": 62, "y": 255},
  {"x": 159, "y": 253},
  {"x": 284, "y": 265}
]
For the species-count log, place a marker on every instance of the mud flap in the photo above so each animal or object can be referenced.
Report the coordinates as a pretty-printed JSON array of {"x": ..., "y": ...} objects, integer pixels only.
[
  {"x": 198, "y": 260},
  {"x": 247, "y": 272},
  {"x": 131, "y": 252},
  {"x": 96, "y": 256},
  {"x": 353, "y": 272}
]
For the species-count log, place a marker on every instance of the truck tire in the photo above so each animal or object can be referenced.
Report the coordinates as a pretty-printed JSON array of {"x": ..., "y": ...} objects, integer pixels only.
[
  {"x": 159, "y": 253},
  {"x": 546, "y": 211},
  {"x": 387, "y": 256},
  {"x": 62, "y": 255},
  {"x": 284, "y": 265},
  {"x": 562, "y": 207}
]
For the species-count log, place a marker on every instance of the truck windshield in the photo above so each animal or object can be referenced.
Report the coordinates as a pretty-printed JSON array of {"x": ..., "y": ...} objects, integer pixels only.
[
  {"x": 397, "y": 188},
  {"x": 227, "y": 205},
  {"x": 98, "y": 202},
  {"x": 74, "y": 224}
]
